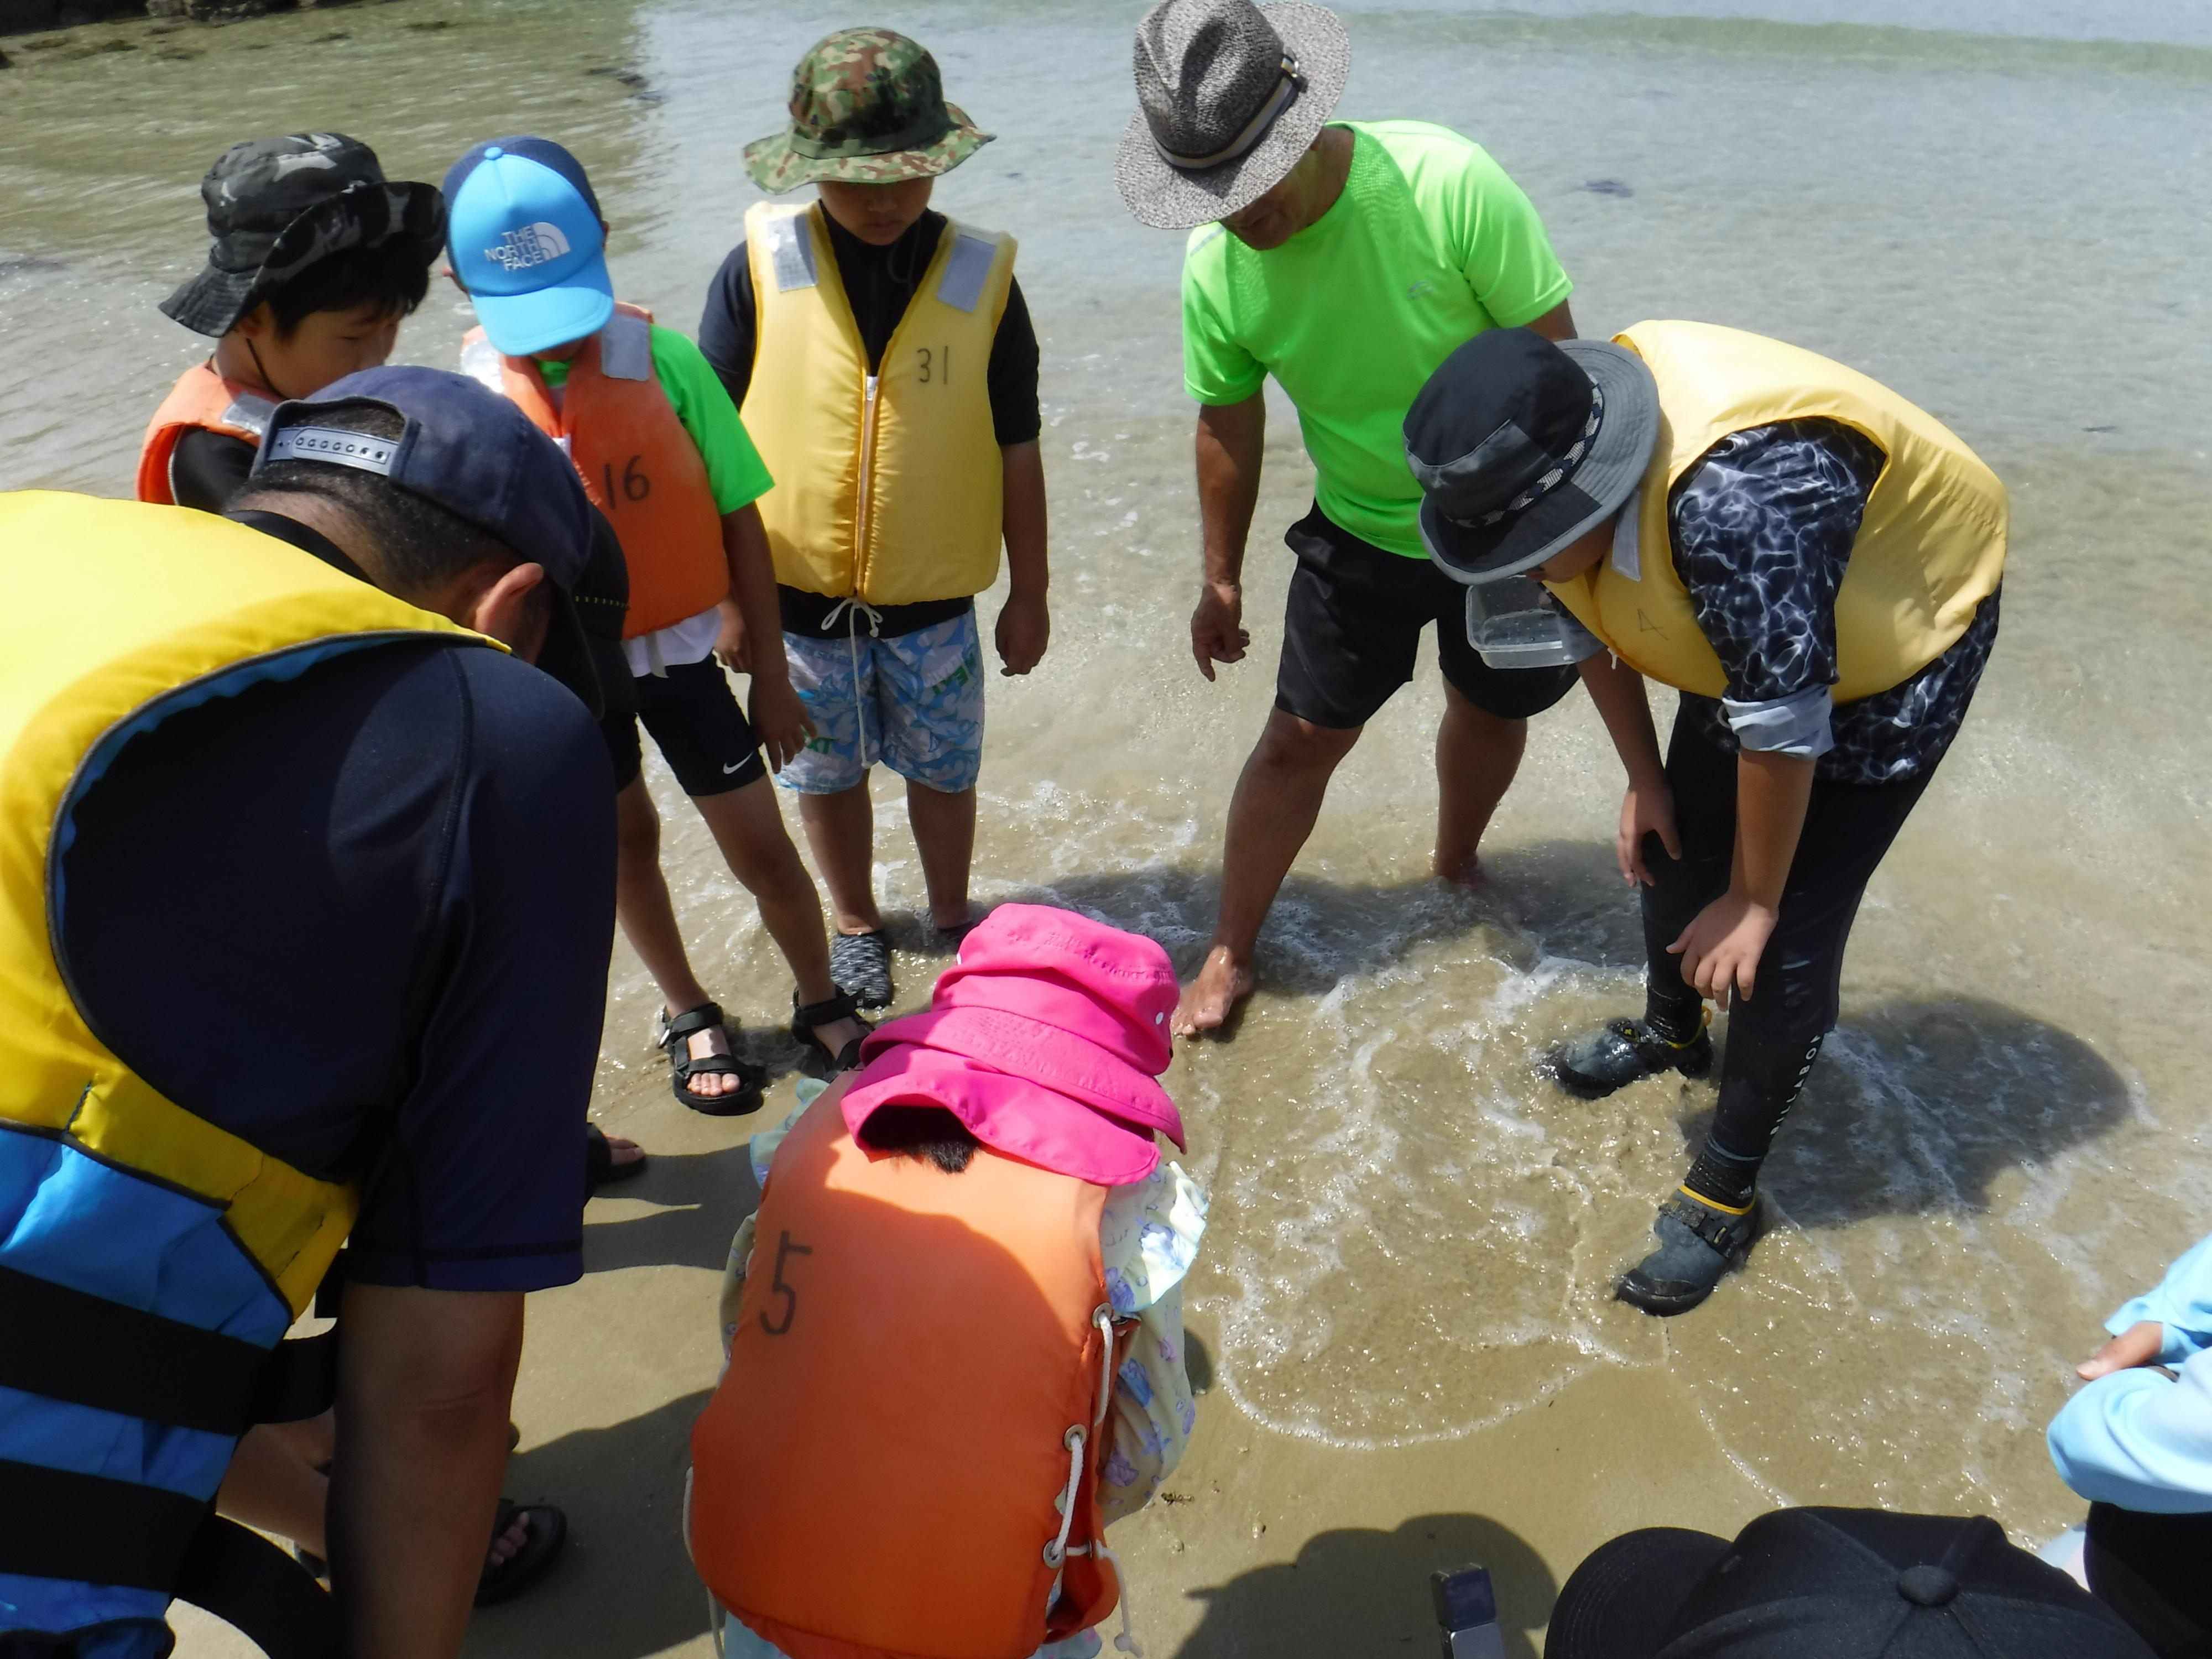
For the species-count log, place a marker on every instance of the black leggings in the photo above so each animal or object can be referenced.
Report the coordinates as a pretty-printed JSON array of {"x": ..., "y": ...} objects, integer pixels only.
[
  {"x": 1775, "y": 1034},
  {"x": 2149, "y": 1569}
]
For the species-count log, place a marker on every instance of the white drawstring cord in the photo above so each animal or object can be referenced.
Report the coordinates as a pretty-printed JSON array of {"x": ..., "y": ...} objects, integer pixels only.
[
  {"x": 1126, "y": 1641},
  {"x": 717, "y": 1617},
  {"x": 854, "y": 610},
  {"x": 1057, "y": 1552}
]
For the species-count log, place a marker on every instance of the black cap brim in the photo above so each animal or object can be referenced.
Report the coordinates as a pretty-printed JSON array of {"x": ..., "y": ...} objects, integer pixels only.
[
  {"x": 1622, "y": 1601},
  {"x": 1607, "y": 477},
  {"x": 211, "y": 302},
  {"x": 572, "y": 657}
]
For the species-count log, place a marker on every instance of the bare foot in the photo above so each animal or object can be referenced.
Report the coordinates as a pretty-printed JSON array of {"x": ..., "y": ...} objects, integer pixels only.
[
  {"x": 701, "y": 1045},
  {"x": 1221, "y": 984},
  {"x": 505, "y": 1547},
  {"x": 1462, "y": 870},
  {"x": 621, "y": 1151}
]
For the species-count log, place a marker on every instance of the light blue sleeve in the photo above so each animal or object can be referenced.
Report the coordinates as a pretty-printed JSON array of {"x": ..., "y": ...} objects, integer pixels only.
[
  {"x": 2182, "y": 1303},
  {"x": 1148, "y": 1239},
  {"x": 2139, "y": 1440}
]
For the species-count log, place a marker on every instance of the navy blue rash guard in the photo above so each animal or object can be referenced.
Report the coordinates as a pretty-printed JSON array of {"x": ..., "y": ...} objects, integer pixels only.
[{"x": 251, "y": 886}]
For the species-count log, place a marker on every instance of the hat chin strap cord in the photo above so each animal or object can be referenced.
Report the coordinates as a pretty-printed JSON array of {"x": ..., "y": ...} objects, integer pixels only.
[
  {"x": 1286, "y": 88},
  {"x": 1057, "y": 1552}
]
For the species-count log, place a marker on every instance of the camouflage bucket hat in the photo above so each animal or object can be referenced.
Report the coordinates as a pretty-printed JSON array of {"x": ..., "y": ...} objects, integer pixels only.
[
  {"x": 275, "y": 206},
  {"x": 867, "y": 108}
]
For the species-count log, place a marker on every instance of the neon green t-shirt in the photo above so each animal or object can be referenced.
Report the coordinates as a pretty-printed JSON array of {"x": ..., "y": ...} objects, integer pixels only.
[
  {"x": 735, "y": 472},
  {"x": 1430, "y": 244}
]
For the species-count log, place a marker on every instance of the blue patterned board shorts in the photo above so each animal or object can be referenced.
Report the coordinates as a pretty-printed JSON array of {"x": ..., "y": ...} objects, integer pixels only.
[{"x": 914, "y": 702}]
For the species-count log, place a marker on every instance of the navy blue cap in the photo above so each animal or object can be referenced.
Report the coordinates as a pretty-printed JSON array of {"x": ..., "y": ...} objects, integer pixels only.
[
  {"x": 525, "y": 239},
  {"x": 477, "y": 455}
]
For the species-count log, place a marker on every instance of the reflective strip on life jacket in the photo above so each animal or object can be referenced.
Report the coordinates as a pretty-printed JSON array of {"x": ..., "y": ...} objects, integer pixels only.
[
  {"x": 638, "y": 463},
  {"x": 200, "y": 398},
  {"x": 913, "y": 1391},
  {"x": 129, "y": 1225},
  {"x": 1930, "y": 546},
  {"x": 889, "y": 486}
]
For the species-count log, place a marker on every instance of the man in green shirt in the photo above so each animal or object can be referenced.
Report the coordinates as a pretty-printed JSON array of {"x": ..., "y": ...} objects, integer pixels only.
[{"x": 1347, "y": 260}]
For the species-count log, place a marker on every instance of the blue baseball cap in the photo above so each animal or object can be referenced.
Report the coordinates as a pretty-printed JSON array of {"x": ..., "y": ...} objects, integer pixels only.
[
  {"x": 523, "y": 232},
  {"x": 477, "y": 455}
]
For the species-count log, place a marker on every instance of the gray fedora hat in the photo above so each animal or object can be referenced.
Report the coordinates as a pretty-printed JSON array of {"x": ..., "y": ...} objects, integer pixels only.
[{"x": 1231, "y": 94}]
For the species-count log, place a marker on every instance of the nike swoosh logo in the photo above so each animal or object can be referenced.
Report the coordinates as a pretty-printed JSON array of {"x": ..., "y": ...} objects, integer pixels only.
[{"x": 728, "y": 769}]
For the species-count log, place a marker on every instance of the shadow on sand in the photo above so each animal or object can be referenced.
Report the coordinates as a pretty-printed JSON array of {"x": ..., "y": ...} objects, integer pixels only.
[
  {"x": 1359, "y": 1593},
  {"x": 705, "y": 1195},
  {"x": 625, "y": 1588},
  {"x": 1916, "y": 1106}
]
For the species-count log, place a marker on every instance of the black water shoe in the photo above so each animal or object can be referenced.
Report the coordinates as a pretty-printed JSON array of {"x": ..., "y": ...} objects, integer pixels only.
[
  {"x": 1623, "y": 1052},
  {"x": 1698, "y": 1242}
]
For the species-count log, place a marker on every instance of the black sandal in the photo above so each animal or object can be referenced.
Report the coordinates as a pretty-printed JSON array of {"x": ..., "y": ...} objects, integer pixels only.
[
  {"x": 675, "y": 1039},
  {"x": 601, "y": 1170},
  {"x": 548, "y": 1531},
  {"x": 828, "y": 1012}
]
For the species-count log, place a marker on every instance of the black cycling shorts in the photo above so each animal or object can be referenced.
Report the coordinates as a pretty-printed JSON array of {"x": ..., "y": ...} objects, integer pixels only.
[
  {"x": 1352, "y": 631},
  {"x": 696, "y": 725}
]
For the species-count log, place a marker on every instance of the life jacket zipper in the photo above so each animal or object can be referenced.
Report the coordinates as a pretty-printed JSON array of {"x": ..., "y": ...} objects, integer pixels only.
[{"x": 863, "y": 514}]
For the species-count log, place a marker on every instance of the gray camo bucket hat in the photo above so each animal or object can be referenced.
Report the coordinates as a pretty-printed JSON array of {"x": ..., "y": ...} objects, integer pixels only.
[
  {"x": 1230, "y": 94},
  {"x": 276, "y": 206}
]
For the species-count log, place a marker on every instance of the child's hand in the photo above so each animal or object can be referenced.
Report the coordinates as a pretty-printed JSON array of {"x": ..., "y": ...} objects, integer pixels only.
[
  {"x": 2138, "y": 1345},
  {"x": 778, "y": 721},
  {"x": 1024, "y": 628},
  {"x": 731, "y": 645}
]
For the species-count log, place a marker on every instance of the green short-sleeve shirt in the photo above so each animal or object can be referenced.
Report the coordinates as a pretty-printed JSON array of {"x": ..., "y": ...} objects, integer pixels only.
[
  {"x": 1430, "y": 244},
  {"x": 735, "y": 472}
]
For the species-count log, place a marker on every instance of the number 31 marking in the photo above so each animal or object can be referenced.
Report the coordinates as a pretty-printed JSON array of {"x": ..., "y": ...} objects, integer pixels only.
[{"x": 940, "y": 362}]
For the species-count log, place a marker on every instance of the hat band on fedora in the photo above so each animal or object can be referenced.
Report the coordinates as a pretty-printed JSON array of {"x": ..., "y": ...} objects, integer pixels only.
[
  {"x": 926, "y": 129},
  {"x": 1559, "y": 471},
  {"x": 1288, "y": 86}
]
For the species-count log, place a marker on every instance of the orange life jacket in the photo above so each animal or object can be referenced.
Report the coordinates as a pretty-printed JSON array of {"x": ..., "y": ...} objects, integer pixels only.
[
  {"x": 918, "y": 1378},
  {"x": 639, "y": 466},
  {"x": 203, "y": 399}
]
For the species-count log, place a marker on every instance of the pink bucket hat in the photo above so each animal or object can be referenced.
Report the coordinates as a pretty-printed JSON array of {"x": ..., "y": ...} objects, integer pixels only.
[{"x": 1046, "y": 1038}]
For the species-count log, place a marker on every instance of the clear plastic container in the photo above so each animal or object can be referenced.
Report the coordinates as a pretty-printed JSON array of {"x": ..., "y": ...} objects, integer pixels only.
[{"x": 1513, "y": 622}]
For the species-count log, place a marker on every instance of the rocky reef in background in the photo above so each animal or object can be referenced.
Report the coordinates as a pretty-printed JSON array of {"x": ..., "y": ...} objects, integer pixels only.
[{"x": 29, "y": 16}]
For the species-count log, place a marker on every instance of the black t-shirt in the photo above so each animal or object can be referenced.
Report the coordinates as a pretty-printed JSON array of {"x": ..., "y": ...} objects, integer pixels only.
[
  {"x": 282, "y": 905},
  {"x": 206, "y": 468},
  {"x": 878, "y": 283}
]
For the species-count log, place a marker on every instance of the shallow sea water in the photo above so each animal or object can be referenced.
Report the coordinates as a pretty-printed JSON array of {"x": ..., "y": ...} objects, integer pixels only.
[{"x": 1993, "y": 211}]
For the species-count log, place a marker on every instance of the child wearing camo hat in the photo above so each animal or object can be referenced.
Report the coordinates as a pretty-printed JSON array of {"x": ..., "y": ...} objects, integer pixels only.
[
  {"x": 884, "y": 361},
  {"x": 315, "y": 259}
]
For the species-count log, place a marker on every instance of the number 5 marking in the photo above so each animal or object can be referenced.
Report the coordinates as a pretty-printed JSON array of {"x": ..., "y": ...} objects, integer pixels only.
[{"x": 784, "y": 1250}]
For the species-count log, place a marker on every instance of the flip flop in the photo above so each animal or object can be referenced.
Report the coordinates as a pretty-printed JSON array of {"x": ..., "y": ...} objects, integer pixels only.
[
  {"x": 600, "y": 1166},
  {"x": 548, "y": 1529},
  {"x": 675, "y": 1039}
]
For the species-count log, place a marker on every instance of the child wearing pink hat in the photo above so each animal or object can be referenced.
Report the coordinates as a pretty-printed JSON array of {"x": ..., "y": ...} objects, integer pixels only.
[{"x": 954, "y": 1328}]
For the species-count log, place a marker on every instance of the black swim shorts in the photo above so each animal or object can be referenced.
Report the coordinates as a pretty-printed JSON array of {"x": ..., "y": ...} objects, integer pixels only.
[
  {"x": 1353, "y": 629},
  {"x": 697, "y": 726}
]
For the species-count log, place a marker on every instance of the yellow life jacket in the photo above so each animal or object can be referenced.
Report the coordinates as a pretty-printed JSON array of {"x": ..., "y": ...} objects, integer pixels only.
[
  {"x": 127, "y": 1222},
  {"x": 887, "y": 485},
  {"x": 1930, "y": 547}
]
